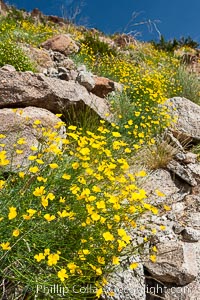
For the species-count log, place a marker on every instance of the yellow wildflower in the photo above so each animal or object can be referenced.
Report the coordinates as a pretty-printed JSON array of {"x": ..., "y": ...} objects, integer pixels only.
[
  {"x": 15, "y": 232},
  {"x": 12, "y": 213},
  {"x": 62, "y": 275},
  {"x": 49, "y": 217},
  {"x": 108, "y": 236},
  {"x": 53, "y": 259},
  {"x": 5, "y": 246},
  {"x": 39, "y": 257},
  {"x": 134, "y": 265}
]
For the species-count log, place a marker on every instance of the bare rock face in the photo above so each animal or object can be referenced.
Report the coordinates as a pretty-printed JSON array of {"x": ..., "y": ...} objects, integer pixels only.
[
  {"x": 58, "y": 96},
  {"x": 61, "y": 43},
  {"x": 188, "y": 114},
  {"x": 176, "y": 263},
  {"x": 19, "y": 123}
]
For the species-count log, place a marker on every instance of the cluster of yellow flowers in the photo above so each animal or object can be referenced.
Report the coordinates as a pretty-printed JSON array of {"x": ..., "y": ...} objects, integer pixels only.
[
  {"x": 147, "y": 82},
  {"x": 73, "y": 208},
  {"x": 26, "y": 31}
]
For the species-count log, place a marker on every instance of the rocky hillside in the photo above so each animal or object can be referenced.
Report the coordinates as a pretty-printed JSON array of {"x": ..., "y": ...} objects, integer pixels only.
[{"x": 99, "y": 164}]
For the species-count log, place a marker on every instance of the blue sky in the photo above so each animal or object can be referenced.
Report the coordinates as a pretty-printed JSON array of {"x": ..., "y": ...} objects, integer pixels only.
[{"x": 173, "y": 18}]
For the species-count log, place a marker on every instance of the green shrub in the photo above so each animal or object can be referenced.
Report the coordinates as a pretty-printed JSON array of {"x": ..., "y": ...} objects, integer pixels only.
[
  {"x": 97, "y": 46},
  {"x": 174, "y": 44},
  {"x": 12, "y": 54}
]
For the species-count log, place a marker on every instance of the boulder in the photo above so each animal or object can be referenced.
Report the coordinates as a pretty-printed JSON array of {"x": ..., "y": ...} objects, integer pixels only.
[
  {"x": 190, "y": 235},
  {"x": 190, "y": 291},
  {"x": 66, "y": 63},
  {"x": 188, "y": 119},
  {"x": 18, "y": 123},
  {"x": 41, "y": 57},
  {"x": 8, "y": 68},
  {"x": 86, "y": 79},
  {"x": 62, "y": 43},
  {"x": 19, "y": 89},
  {"x": 176, "y": 263},
  {"x": 103, "y": 86},
  {"x": 36, "y": 13}
]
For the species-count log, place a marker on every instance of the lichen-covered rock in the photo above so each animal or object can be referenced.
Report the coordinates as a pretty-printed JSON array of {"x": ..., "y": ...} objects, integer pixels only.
[{"x": 8, "y": 68}]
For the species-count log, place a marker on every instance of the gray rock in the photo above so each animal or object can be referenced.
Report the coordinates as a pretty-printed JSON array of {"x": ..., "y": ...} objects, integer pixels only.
[
  {"x": 52, "y": 72},
  {"x": 178, "y": 228},
  {"x": 178, "y": 208},
  {"x": 160, "y": 180},
  {"x": 188, "y": 114},
  {"x": 182, "y": 171},
  {"x": 190, "y": 291},
  {"x": 173, "y": 263},
  {"x": 125, "y": 284},
  {"x": 190, "y": 235},
  {"x": 8, "y": 68},
  {"x": 190, "y": 158},
  {"x": 86, "y": 79},
  {"x": 63, "y": 73},
  {"x": 194, "y": 220},
  {"x": 192, "y": 203},
  {"x": 82, "y": 68},
  {"x": 64, "y": 76},
  {"x": 62, "y": 69},
  {"x": 195, "y": 168},
  {"x": 180, "y": 156},
  {"x": 73, "y": 75},
  {"x": 174, "y": 141},
  {"x": 57, "y": 56},
  {"x": 66, "y": 63}
]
